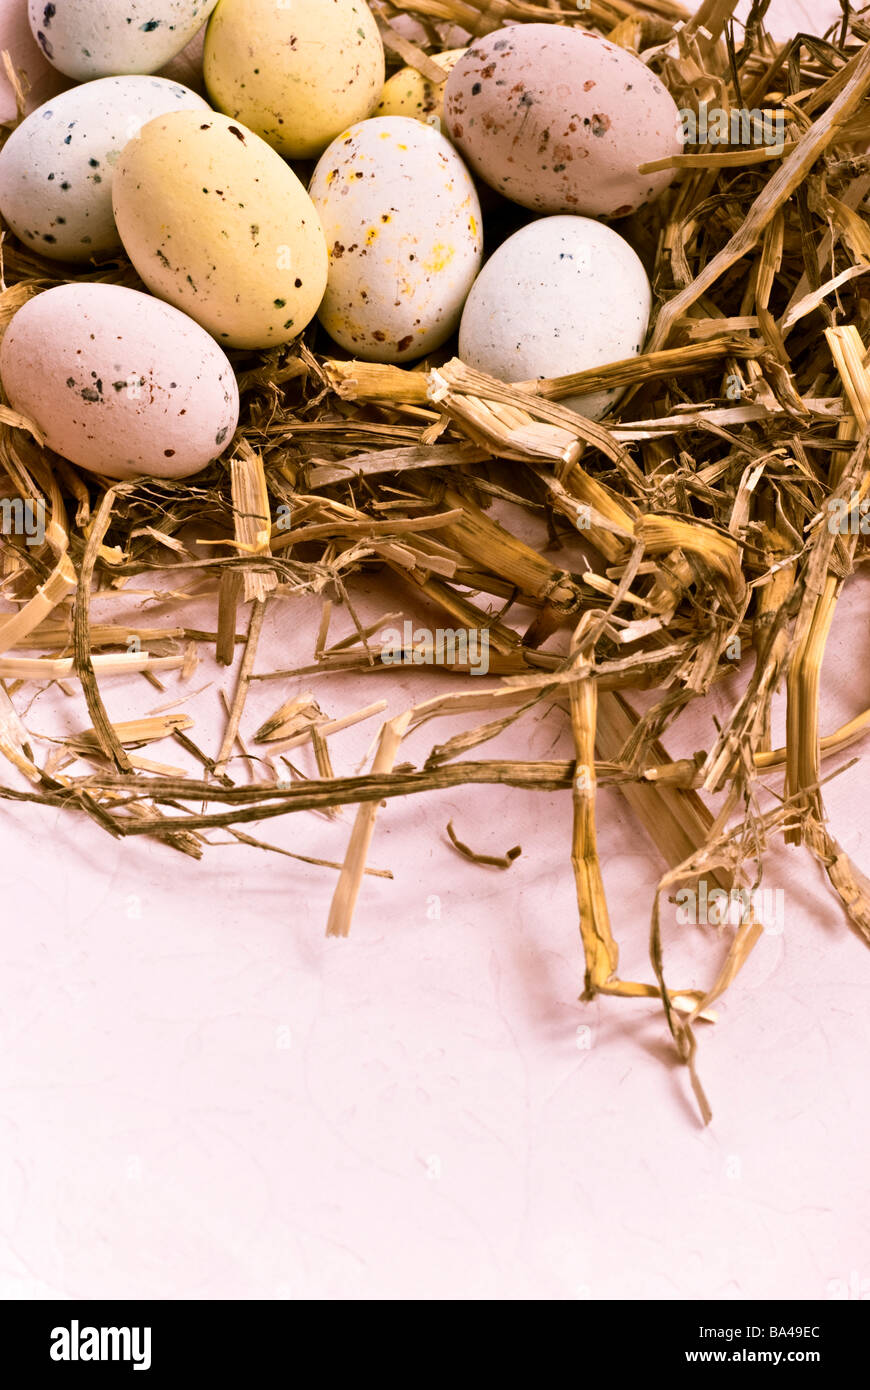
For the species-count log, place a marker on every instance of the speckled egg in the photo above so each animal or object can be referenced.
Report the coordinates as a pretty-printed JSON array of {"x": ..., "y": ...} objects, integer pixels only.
[
  {"x": 561, "y": 295},
  {"x": 56, "y": 169},
  {"x": 103, "y": 38},
  {"x": 403, "y": 228},
  {"x": 27, "y": 57},
  {"x": 119, "y": 382},
  {"x": 559, "y": 120},
  {"x": 409, "y": 93},
  {"x": 216, "y": 222},
  {"x": 297, "y": 74}
]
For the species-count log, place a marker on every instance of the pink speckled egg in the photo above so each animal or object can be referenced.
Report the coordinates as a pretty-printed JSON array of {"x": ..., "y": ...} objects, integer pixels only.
[
  {"x": 120, "y": 383},
  {"x": 559, "y": 120}
]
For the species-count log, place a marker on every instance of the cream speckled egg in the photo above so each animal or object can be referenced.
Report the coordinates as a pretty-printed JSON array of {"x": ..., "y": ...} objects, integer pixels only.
[
  {"x": 297, "y": 73},
  {"x": 403, "y": 228},
  {"x": 104, "y": 38},
  {"x": 409, "y": 93},
  {"x": 559, "y": 120},
  {"x": 561, "y": 295},
  {"x": 56, "y": 169},
  {"x": 216, "y": 222},
  {"x": 119, "y": 382}
]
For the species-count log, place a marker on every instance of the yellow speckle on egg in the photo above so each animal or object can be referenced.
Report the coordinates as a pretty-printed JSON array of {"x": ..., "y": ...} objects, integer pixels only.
[
  {"x": 472, "y": 224},
  {"x": 370, "y": 235},
  {"x": 441, "y": 257}
]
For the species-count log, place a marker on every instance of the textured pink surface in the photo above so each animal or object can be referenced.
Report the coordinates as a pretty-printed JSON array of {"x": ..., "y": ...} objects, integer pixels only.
[{"x": 202, "y": 1096}]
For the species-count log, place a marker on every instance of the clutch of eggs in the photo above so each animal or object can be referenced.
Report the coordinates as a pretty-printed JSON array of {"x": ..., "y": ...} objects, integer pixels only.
[
  {"x": 104, "y": 38},
  {"x": 297, "y": 74},
  {"x": 56, "y": 169},
  {"x": 559, "y": 120},
  {"x": 218, "y": 224},
  {"x": 403, "y": 229},
  {"x": 561, "y": 295},
  {"x": 385, "y": 246},
  {"x": 118, "y": 382}
]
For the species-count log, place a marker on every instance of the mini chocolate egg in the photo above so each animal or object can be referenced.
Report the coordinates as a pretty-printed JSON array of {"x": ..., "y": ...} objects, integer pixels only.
[
  {"x": 403, "y": 229},
  {"x": 409, "y": 93},
  {"x": 56, "y": 169},
  {"x": 215, "y": 222},
  {"x": 297, "y": 74},
  {"x": 105, "y": 38},
  {"x": 118, "y": 382},
  {"x": 559, "y": 120},
  {"x": 43, "y": 81},
  {"x": 561, "y": 295}
]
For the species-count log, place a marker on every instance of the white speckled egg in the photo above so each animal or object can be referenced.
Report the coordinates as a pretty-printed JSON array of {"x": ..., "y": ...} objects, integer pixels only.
[
  {"x": 217, "y": 223},
  {"x": 409, "y": 93},
  {"x": 56, "y": 169},
  {"x": 27, "y": 57},
  {"x": 120, "y": 383},
  {"x": 296, "y": 73},
  {"x": 561, "y": 295},
  {"x": 403, "y": 229},
  {"x": 104, "y": 38},
  {"x": 559, "y": 120}
]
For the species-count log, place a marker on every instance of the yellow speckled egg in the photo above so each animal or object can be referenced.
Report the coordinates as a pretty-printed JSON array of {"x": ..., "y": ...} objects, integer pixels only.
[
  {"x": 296, "y": 73},
  {"x": 409, "y": 93},
  {"x": 216, "y": 223},
  {"x": 403, "y": 229}
]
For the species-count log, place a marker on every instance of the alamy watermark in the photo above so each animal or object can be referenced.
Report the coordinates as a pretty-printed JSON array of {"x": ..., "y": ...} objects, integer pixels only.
[
  {"x": 23, "y": 518},
  {"x": 717, "y": 906},
  {"x": 754, "y": 126},
  {"x": 77, "y": 1343},
  {"x": 849, "y": 516},
  {"x": 445, "y": 646}
]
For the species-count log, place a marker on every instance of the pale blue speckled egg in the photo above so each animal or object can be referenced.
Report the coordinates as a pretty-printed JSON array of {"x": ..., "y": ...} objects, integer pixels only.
[{"x": 56, "y": 169}]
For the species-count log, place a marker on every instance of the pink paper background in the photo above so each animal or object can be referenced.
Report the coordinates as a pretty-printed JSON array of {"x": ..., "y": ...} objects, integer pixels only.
[{"x": 201, "y": 1096}]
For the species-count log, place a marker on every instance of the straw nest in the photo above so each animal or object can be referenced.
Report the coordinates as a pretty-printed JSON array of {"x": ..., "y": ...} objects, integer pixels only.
[{"x": 702, "y": 505}]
